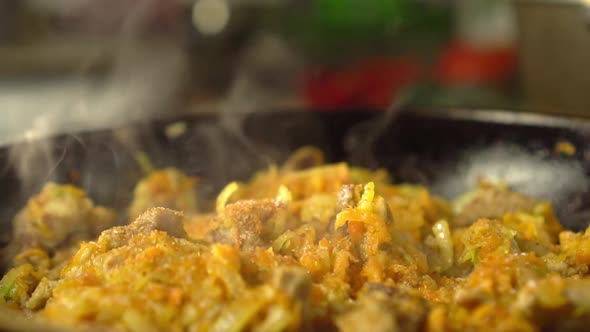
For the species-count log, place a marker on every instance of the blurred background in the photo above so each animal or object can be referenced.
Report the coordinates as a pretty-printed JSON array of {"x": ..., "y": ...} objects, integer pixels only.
[{"x": 68, "y": 65}]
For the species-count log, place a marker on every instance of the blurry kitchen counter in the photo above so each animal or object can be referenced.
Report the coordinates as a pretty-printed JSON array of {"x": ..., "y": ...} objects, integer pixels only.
[{"x": 68, "y": 86}]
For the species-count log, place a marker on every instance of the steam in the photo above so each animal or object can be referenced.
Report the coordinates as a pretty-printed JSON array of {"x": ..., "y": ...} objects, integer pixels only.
[
  {"x": 142, "y": 82},
  {"x": 361, "y": 139},
  {"x": 143, "y": 79},
  {"x": 266, "y": 76}
]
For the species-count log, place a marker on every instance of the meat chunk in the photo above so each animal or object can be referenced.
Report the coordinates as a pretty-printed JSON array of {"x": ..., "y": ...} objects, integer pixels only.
[
  {"x": 160, "y": 219},
  {"x": 491, "y": 202},
  {"x": 251, "y": 221},
  {"x": 59, "y": 216}
]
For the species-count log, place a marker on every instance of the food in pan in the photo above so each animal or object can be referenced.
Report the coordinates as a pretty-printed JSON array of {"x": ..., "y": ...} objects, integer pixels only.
[{"x": 302, "y": 247}]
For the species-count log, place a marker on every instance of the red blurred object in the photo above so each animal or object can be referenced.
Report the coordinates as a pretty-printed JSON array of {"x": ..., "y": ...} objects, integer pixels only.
[
  {"x": 369, "y": 84},
  {"x": 461, "y": 64}
]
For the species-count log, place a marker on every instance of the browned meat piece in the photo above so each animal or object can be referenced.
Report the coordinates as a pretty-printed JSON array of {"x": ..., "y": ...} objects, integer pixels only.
[
  {"x": 251, "y": 221},
  {"x": 492, "y": 203},
  {"x": 161, "y": 219},
  {"x": 59, "y": 216}
]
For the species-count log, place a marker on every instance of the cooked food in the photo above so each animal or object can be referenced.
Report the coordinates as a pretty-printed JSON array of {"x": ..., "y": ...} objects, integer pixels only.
[
  {"x": 301, "y": 247},
  {"x": 565, "y": 147},
  {"x": 168, "y": 188}
]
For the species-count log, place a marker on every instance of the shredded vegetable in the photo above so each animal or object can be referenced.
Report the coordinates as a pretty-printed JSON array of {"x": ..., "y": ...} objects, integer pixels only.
[{"x": 302, "y": 246}]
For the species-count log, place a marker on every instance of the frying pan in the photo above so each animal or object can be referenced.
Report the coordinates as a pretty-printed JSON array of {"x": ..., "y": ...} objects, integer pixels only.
[{"x": 446, "y": 150}]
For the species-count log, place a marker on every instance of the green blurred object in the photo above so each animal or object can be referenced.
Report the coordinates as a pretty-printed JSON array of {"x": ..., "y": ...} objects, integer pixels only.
[
  {"x": 444, "y": 97},
  {"x": 333, "y": 30},
  {"x": 358, "y": 17}
]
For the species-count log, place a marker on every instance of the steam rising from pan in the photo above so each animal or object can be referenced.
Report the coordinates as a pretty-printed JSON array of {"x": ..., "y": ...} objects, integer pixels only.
[
  {"x": 361, "y": 139},
  {"x": 143, "y": 79},
  {"x": 266, "y": 75}
]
